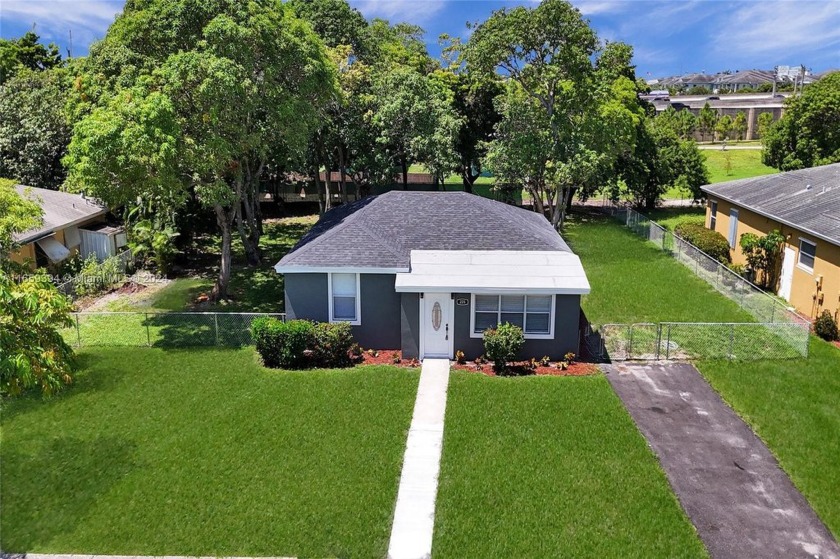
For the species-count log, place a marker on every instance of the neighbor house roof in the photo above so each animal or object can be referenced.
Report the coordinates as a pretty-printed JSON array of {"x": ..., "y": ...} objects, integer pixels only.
[
  {"x": 61, "y": 210},
  {"x": 808, "y": 199},
  {"x": 379, "y": 233}
]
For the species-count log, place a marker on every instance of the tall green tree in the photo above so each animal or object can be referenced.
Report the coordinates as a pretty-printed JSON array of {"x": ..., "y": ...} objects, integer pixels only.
[
  {"x": 587, "y": 104},
  {"x": 245, "y": 84},
  {"x": 764, "y": 121},
  {"x": 26, "y": 52},
  {"x": 17, "y": 214},
  {"x": 808, "y": 134},
  {"x": 706, "y": 121},
  {"x": 723, "y": 127},
  {"x": 34, "y": 127},
  {"x": 739, "y": 125}
]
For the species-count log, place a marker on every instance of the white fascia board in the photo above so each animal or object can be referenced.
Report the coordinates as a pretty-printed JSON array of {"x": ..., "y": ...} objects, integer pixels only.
[{"x": 334, "y": 270}]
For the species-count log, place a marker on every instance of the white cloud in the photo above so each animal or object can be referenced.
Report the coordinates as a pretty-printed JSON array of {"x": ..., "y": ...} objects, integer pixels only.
[
  {"x": 598, "y": 7},
  {"x": 54, "y": 19},
  {"x": 412, "y": 11},
  {"x": 779, "y": 28}
]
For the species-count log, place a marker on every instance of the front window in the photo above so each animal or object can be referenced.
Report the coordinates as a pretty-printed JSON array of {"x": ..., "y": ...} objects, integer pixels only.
[
  {"x": 807, "y": 254},
  {"x": 344, "y": 298},
  {"x": 532, "y": 313}
]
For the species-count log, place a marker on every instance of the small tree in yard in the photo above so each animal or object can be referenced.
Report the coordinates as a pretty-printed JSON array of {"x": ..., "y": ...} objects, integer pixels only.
[
  {"x": 723, "y": 127},
  {"x": 502, "y": 344},
  {"x": 762, "y": 254}
]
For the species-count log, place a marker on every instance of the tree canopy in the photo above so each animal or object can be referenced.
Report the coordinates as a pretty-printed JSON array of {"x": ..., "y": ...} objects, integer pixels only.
[
  {"x": 26, "y": 52},
  {"x": 808, "y": 134}
]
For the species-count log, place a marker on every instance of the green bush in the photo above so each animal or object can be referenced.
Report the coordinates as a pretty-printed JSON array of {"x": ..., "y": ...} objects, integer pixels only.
[
  {"x": 96, "y": 277},
  {"x": 300, "y": 344},
  {"x": 711, "y": 242},
  {"x": 331, "y": 344},
  {"x": 502, "y": 344},
  {"x": 826, "y": 327},
  {"x": 282, "y": 344}
]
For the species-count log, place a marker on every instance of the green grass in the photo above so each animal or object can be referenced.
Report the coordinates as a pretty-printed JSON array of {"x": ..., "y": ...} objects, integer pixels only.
[
  {"x": 669, "y": 218},
  {"x": 551, "y": 467},
  {"x": 204, "y": 452},
  {"x": 745, "y": 164},
  {"x": 634, "y": 281},
  {"x": 793, "y": 407}
]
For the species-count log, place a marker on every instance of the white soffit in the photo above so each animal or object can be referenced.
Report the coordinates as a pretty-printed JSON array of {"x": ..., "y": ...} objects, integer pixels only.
[
  {"x": 54, "y": 250},
  {"x": 494, "y": 271}
]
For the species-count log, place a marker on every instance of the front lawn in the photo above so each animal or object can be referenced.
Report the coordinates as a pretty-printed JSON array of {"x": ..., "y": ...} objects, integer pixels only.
[
  {"x": 793, "y": 407},
  {"x": 204, "y": 452},
  {"x": 551, "y": 467},
  {"x": 634, "y": 281}
]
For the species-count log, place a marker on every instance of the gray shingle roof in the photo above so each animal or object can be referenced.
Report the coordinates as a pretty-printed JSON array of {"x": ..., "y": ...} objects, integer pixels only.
[
  {"x": 60, "y": 210},
  {"x": 381, "y": 231},
  {"x": 808, "y": 199}
]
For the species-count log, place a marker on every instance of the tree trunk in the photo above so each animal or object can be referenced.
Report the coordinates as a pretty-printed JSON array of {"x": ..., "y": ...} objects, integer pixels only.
[
  {"x": 316, "y": 176},
  {"x": 468, "y": 178},
  {"x": 248, "y": 222},
  {"x": 405, "y": 172},
  {"x": 343, "y": 170},
  {"x": 224, "y": 218},
  {"x": 328, "y": 186}
]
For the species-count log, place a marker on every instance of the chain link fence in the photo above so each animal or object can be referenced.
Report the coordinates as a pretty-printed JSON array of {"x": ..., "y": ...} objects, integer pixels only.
[
  {"x": 778, "y": 333},
  {"x": 162, "y": 329},
  {"x": 743, "y": 341}
]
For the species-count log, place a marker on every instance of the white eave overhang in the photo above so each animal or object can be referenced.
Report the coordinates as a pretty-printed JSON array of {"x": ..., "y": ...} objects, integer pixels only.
[{"x": 494, "y": 272}]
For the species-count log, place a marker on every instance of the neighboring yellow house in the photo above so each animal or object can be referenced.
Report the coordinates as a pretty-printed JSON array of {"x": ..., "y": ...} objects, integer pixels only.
[
  {"x": 805, "y": 207},
  {"x": 60, "y": 235}
]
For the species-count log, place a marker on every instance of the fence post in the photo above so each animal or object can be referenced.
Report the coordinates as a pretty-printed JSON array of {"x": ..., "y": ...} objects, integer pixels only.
[
  {"x": 668, "y": 345},
  {"x": 772, "y": 312},
  {"x": 731, "y": 342},
  {"x": 148, "y": 334},
  {"x": 216, "y": 322},
  {"x": 630, "y": 344},
  {"x": 658, "y": 340},
  {"x": 78, "y": 333}
]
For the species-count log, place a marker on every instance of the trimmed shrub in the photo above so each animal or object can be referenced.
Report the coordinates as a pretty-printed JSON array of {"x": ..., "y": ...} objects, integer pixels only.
[
  {"x": 502, "y": 344},
  {"x": 711, "y": 242},
  {"x": 282, "y": 344},
  {"x": 332, "y": 344},
  {"x": 826, "y": 327}
]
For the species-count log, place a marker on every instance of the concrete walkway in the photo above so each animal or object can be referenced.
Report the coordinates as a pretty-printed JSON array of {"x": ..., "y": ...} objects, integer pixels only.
[
  {"x": 733, "y": 490},
  {"x": 414, "y": 516}
]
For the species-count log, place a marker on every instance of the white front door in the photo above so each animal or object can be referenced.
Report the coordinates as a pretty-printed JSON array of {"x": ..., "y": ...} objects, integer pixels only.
[
  {"x": 786, "y": 280},
  {"x": 436, "y": 324}
]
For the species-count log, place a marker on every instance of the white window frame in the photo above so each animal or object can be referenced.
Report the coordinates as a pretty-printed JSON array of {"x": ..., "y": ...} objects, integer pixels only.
[
  {"x": 551, "y": 317},
  {"x": 799, "y": 264},
  {"x": 358, "y": 320},
  {"x": 713, "y": 207},
  {"x": 733, "y": 230}
]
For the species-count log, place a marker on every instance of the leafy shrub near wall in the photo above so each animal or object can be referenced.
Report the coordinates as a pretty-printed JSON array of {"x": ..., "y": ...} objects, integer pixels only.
[
  {"x": 826, "y": 327},
  {"x": 331, "y": 344},
  {"x": 711, "y": 242},
  {"x": 301, "y": 344},
  {"x": 97, "y": 277},
  {"x": 282, "y": 344},
  {"x": 502, "y": 344}
]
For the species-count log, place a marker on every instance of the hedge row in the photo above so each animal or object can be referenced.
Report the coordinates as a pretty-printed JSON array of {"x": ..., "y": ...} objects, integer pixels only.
[
  {"x": 301, "y": 344},
  {"x": 711, "y": 242}
]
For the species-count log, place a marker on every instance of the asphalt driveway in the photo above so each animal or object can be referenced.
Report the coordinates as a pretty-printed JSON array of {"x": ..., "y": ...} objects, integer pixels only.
[{"x": 730, "y": 485}]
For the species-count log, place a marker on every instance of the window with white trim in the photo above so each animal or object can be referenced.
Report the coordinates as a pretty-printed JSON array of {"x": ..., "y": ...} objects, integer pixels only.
[
  {"x": 807, "y": 254},
  {"x": 712, "y": 214},
  {"x": 532, "y": 313},
  {"x": 344, "y": 298},
  {"x": 733, "y": 227}
]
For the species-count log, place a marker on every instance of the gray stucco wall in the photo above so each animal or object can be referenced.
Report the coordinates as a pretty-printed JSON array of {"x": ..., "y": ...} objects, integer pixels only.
[
  {"x": 566, "y": 324},
  {"x": 307, "y": 297},
  {"x": 410, "y": 325}
]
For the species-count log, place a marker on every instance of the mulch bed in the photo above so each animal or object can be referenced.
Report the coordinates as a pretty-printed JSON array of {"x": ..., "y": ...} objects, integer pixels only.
[
  {"x": 129, "y": 288},
  {"x": 575, "y": 369},
  {"x": 394, "y": 357}
]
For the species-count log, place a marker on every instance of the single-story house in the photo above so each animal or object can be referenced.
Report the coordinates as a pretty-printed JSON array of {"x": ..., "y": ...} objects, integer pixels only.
[
  {"x": 805, "y": 207},
  {"x": 71, "y": 224},
  {"x": 428, "y": 272}
]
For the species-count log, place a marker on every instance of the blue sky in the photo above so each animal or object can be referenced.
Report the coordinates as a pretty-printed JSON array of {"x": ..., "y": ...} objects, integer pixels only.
[{"x": 669, "y": 37}]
